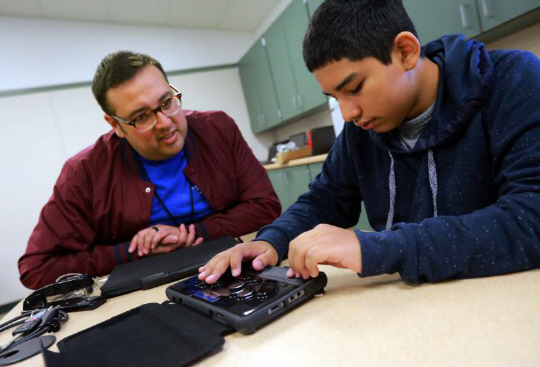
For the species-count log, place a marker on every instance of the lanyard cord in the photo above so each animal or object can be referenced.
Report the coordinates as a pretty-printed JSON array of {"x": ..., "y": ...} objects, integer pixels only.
[{"x": 171, "y": 217}]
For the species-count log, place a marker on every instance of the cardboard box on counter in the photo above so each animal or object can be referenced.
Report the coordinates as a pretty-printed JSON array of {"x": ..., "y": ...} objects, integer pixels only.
[{"x": 284, "y": 157}]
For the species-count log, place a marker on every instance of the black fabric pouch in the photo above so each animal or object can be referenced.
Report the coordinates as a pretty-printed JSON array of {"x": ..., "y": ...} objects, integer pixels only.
[
  {"x": 157, "y": 335},
  {"x": 156, "y": 270}
]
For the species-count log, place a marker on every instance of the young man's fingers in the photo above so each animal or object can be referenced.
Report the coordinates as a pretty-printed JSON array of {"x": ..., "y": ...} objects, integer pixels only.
[
  {"x": 312, "y": 259},
  {"x": 207, "y": 269},
  {"x": 238, "y": 253},
  {"x": 217, "y": 270},
  {"x": 198, "y": 241},
  {"x": 262, "y": 261}
]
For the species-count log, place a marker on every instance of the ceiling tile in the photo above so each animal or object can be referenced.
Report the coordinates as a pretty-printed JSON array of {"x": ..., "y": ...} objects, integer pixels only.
[
  {"x": 246, "y": 15},
  {"x": 197, "y": 14},
  {"x": 147, "y": 12},
  {"x": 231, "y": 15},
  {"x": 94, "y": 10},
  {"x": 21, "y": 8}
]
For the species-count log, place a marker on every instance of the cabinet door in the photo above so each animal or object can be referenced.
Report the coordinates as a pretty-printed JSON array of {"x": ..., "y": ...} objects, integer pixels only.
[
  {"x": 435, "y": 18},
  {"x": 495, "y": 12},
  {"x": 314, "y": 170},
  {"x": 298, "y": 180},
  {"x": 277, "y": 177},
  {"x": 282, "y": 72},
  {"x": 271, "y": 115},
  {"x": 248, "y": 77},
  {"x": 295, "y": 23},
  {"x": 312, "y": 5}
]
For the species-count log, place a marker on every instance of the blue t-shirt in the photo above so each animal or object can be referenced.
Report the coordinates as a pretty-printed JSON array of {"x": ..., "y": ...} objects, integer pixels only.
[{"x": 173, "y": 187}]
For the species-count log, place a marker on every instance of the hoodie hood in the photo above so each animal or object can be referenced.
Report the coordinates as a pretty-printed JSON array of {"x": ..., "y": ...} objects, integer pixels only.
[{"x": 466, "y": 75}]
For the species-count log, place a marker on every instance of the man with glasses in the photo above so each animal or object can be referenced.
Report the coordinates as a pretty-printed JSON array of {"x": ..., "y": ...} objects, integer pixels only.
[{"x": 164, "y": 178}]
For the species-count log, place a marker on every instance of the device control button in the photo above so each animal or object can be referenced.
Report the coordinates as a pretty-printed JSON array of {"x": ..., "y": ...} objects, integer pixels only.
[
  {"x": 200, "y": 284},
  {"x": 236, "y": 287},
  {"x": 244, "y": 294},
  {"x": 218, "y": 284}
]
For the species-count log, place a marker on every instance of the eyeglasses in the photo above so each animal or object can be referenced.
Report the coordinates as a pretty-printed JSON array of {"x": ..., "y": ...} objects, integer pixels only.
[{"x": 147, "y": 120}]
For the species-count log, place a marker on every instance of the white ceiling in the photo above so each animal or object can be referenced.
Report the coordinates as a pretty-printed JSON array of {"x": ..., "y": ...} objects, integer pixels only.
[{"x": 231, "y": 15}]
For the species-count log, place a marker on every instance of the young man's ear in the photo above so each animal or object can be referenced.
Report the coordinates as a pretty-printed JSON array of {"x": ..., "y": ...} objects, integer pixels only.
[
  {"x": 115, "y": 125},
  {"x": 406, "y": 50}
]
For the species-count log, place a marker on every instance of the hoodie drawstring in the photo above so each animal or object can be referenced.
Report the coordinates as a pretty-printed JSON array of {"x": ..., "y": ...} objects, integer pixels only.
[
  {"x": 432, "y": 173},
  {"x": 392, "y": 187}
]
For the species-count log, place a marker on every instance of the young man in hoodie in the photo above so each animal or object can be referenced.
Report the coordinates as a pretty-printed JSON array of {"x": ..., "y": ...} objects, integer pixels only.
[{"x": 442, "y": 146}]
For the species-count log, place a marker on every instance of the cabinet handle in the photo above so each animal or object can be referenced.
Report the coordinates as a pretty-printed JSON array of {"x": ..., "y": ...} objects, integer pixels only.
[
  {"x": 294, "y": 102},
  {"x": 299, "y": 96},
  {"x": 463, "y": 15},
  {"x": 485, "y": 9}
]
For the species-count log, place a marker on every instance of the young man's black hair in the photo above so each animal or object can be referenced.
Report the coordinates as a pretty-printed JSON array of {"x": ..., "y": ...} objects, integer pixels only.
[{"x": 354, "y": 29}]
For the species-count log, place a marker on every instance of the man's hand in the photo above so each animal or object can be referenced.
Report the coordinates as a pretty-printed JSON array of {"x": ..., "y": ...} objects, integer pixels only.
[
  {"x": 262, "y": 253},
  {"x": 324, "y": 244},
  {"x": 150, "y": 241}
]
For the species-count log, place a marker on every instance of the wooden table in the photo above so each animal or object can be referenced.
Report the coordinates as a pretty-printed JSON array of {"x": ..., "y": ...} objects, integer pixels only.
[{"x": 377, "y": 321}]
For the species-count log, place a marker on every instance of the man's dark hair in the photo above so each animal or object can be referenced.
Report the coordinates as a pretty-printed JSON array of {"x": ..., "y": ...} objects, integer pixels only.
[
  {"x": 117, "y": 68},
  {"x": 354, "y": 29}
]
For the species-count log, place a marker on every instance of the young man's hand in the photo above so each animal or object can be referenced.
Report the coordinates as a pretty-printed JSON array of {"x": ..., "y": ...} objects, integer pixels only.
[
  {"x": 161, "y": 238},
  {"x": 262, "y": 253},
  {"x": 324, "y": 244}
]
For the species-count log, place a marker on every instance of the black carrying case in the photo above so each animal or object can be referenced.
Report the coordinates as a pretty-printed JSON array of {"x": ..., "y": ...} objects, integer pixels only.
[
  {"x": 156, "y": 270},
  {"x": 157, "y": 335}
]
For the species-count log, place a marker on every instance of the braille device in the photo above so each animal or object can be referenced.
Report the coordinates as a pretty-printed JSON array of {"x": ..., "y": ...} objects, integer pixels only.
[{"x": 248, "y": 301}]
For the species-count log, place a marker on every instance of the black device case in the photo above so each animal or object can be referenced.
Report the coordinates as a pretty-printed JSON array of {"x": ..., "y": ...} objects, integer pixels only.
[
  {"x": 156, "y": 270},
  {"x": 262, "y": 297},
  {"x": 157, "y": 335}
]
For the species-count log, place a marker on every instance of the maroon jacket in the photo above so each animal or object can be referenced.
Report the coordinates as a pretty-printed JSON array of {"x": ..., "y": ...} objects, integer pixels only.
[{"x": 100, "y": 200}]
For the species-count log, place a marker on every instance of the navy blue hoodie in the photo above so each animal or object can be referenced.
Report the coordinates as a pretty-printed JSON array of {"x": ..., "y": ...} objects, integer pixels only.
[{"x": 465, "y": 202}]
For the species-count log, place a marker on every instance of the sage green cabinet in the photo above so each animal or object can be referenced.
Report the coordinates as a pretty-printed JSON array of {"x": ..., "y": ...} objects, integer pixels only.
[
  {"x": 289, "y": 183},
  {"x": 435, "y": 18},
  {"x": 312, "y": 5},
  {"x": 295, "y": 22},
  {"x": 495, "y": 12},
  {"x": 281, "y": 68},
  {"x": 259, "y": 89},
  {"x": 248, "y": 76},
  {"x": 296, "y": 88},
  {"x": 276, "y": 83}
]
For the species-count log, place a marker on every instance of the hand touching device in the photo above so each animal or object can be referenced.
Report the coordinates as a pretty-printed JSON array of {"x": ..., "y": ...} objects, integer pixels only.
[{"x": 250, "y": 300}]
